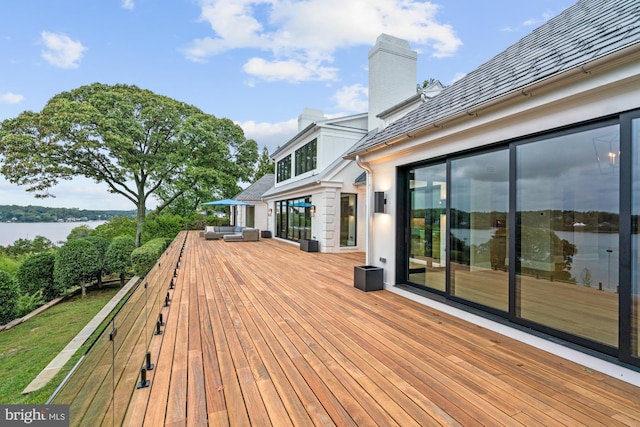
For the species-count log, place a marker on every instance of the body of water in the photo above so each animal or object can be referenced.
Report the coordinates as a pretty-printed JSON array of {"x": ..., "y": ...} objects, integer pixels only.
[
  {"x": 597, "y": 253},
  {"x": 54, "y": 231}
]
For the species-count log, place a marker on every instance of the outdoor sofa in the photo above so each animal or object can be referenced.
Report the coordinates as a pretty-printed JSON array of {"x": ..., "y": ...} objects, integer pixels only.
[
  {"x": 217, "y": 232},
  {"x": 247, "y": 235}
]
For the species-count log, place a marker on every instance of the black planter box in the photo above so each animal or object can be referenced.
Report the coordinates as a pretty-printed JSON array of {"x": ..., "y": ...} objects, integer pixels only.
[
  {"x": 309, "y": 245},
  {"x": 367, "y": 278},
  {"x": 265, "y": 234}
]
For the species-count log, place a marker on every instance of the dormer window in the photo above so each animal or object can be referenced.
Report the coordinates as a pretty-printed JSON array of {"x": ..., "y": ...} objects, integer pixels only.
[{"x": 306, "y": 157}]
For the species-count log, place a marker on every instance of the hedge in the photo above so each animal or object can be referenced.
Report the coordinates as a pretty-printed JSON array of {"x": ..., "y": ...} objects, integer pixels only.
[{"x": 144, "y": 257}]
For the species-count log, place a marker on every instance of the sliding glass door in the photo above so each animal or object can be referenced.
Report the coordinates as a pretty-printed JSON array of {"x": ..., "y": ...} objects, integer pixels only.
[
  {"x": 567, "y": 243},
  {"x": 427, "y": 223},
  {"x": 479, "y": 229}
]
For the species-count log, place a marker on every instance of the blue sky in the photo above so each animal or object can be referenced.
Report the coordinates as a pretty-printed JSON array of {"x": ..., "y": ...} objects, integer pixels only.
[{"x": 256, "y": 62}]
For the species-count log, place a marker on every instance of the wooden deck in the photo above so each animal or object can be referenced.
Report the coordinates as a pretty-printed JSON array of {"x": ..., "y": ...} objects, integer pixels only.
[{"x": 261, "y": 333}]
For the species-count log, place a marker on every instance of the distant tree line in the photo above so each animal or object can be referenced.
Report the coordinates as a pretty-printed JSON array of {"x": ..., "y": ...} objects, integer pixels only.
[
  {"x": 14, "y": 213},
  {"x": 557, "y": 220}
]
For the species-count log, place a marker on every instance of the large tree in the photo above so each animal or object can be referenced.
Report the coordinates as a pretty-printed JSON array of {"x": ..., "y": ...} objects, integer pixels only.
[{"x": 137, "y": 142}]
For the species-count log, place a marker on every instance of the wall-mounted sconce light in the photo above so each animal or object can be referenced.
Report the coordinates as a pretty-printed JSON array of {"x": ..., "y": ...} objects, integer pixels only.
[
  {"x": 379, "y": 202},
  {"x": 270, "y": 212},
  {"x": 313, "y": 210}
]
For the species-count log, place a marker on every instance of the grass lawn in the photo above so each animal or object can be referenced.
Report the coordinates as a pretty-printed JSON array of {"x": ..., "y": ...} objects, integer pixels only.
[{"x": 28, "y": 348}]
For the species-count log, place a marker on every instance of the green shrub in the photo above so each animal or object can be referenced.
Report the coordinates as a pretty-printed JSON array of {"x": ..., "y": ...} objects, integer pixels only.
[
  {"x": 36, "y": 273},
  {"x": 29, "y": 302},
  {"x": 101, "y": 244},
  {"x": 144, "y": 257},
  {"x": 8, "y": 298},
  {"x": 76, "y": 263},
  {"x": 167, "y": 226},
  {"x": 118, "y": 256},
  {"x": 9, "y": 265}
]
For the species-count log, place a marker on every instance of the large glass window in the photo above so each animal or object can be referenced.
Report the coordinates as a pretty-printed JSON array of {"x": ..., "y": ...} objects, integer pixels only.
[
  {"x": 479, "y": 229},
  {"x": 284, "y": 169},
  {"x": 532, "y": 231},
  {"x": 306, "y": 157},
  {"x": 348, "y": 220},
  {"x": 293, "y": 218},
  {"x": 635, "y": 240},
  {"x": 428, "y": 195},
  {"x": 567, "y": 233}
]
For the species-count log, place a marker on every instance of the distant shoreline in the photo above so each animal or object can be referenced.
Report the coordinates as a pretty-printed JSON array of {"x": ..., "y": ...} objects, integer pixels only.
[
  {"x": 56, "y": 232},
  {"x": 15, "y": 214}
]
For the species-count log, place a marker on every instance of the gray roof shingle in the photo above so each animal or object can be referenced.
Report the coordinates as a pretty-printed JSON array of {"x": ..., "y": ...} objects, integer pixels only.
[
  {"x": 255, "y": 191},
  {"x": 587, "y": 30}
]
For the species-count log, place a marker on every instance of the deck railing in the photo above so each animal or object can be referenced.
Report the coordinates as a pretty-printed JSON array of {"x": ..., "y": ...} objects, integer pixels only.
[{"x": 100, "y": 386}]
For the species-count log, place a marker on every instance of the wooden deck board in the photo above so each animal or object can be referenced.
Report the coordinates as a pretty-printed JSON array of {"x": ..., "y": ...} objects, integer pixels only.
[{"x": 261, "y": 333}]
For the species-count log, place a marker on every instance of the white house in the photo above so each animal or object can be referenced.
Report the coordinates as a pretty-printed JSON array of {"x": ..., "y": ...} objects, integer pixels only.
[
  {"x": 317, "y": 195},
  {"x": 255, "y": 214},
  {"x": 515, "y": 192}
]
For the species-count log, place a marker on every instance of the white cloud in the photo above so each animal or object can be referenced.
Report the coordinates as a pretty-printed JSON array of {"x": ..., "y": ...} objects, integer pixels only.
[
  {"x": 352, "y": 98},
  {"x": 304, "y": 35},
  {"x": 61, "y": 51},
  {"x": 11, "y": 98},
  {"x": 128, "y": 4},
  {"x": 291, "y": 70},
  {"x": 271, "y": 135}
]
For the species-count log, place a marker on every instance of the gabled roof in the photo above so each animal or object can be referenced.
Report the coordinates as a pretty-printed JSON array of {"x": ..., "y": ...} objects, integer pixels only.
[
  {"x": 588, "y": 30},
  {"x": 257, "y": 189},
  {"x": 320, "y": 123}
]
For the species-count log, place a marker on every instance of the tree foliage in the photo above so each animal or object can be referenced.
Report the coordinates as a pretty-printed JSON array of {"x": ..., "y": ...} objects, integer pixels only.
[
  {"x": 265, "y": 165},
  {"x": 79, "y": 232},
  {"x": 101, "y": 244},
  {"x": 139, "y": 143},
  {"x": 36, "y": 274},
  {"x": 118, "y": 256},
  {"x": 118, "y": 226},
  {"x": 76, "y": 263},
  {"x": 25, "y": 246},
  {"x": 15, "y": 213},
  {"x": 9, "y": 298}
]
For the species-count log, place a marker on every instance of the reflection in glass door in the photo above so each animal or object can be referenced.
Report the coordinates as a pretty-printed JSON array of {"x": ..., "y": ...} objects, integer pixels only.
[
  {"x": 567, "y": 235},
  {"x": 348, "y": 220},
  {"x": 479, "y": 229},
  {"x": 427, "y": 226}
]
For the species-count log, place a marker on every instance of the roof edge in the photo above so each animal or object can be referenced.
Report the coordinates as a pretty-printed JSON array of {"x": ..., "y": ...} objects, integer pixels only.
[{"x": 622, "y": 54}]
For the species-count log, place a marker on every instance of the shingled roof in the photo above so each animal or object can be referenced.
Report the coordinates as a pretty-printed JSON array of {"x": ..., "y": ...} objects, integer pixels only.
[
  {"x": 588, "y": 30},
  {"x": 255, "y": 191}
]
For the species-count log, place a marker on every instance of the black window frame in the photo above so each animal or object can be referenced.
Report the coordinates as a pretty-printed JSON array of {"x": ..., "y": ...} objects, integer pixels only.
[{"x": 284, "y": 169}]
